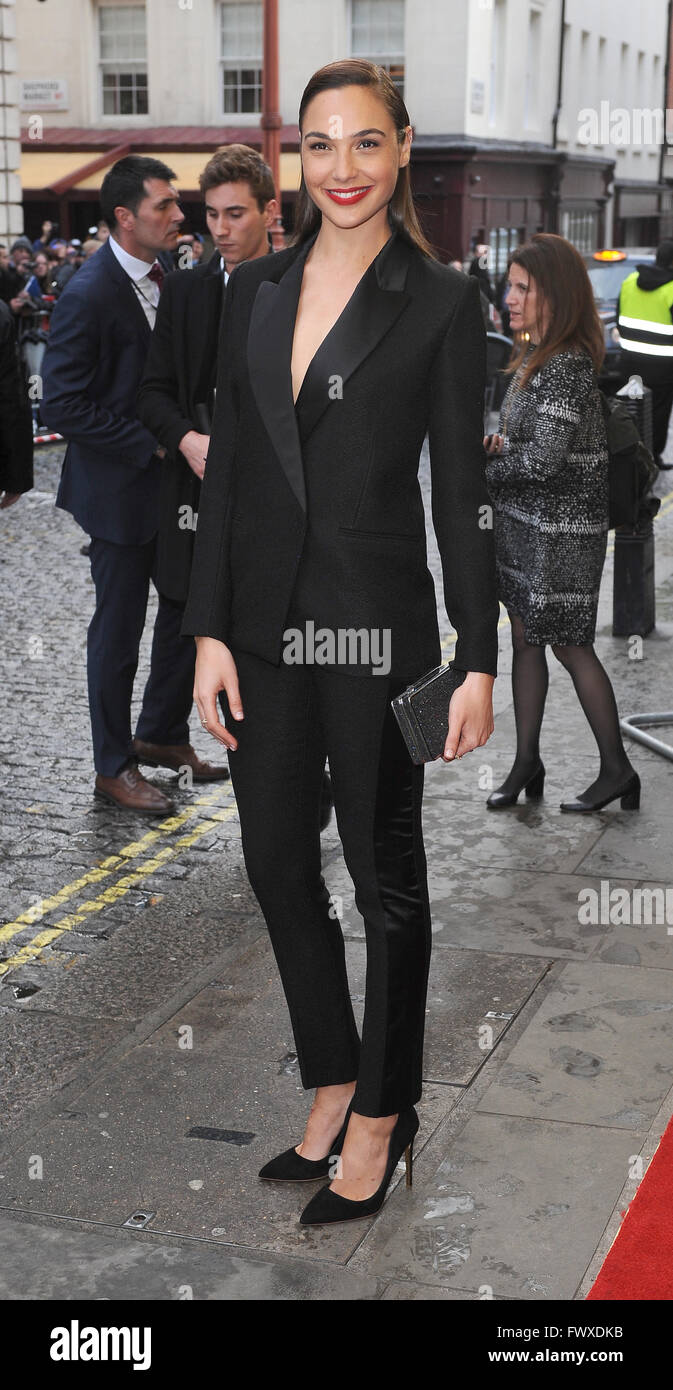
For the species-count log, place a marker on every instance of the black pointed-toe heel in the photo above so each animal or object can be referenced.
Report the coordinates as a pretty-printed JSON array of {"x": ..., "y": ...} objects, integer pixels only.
[
  {"x": 629, "y": 794},
  {"x": 291, "y": 1167},
  {"x": 533, "y": 788},
  {"x": 327, "y": 1207}
]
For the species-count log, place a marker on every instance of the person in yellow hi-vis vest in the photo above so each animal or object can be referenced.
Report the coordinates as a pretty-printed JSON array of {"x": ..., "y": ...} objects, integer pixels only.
[{"x": 645, "y": 327}]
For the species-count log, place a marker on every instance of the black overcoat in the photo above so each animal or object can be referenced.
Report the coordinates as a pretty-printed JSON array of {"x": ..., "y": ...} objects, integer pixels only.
[{"x": 177, "y": 384}]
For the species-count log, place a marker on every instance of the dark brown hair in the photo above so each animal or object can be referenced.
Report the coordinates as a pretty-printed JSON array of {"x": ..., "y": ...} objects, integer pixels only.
[
  {"x": 564, "y": 288},
  {"x": 356, "y": 72},
  {"x": 239, "y": 164}
]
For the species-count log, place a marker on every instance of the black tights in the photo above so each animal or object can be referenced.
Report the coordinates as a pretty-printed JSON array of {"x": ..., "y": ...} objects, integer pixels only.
[{"x": 530, "y": 682}]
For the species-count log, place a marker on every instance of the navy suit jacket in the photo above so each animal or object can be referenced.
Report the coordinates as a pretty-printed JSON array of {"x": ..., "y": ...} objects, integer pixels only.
[{"x": 98, "y": 343}]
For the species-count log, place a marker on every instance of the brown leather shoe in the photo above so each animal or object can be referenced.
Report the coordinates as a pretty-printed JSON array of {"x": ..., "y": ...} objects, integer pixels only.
[
  {"x": 131, "y": 791},
  {"x": 176, "y": 756}
]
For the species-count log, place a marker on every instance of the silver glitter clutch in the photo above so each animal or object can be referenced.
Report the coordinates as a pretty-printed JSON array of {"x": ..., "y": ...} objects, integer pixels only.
[{"x": 422, "y": 712}]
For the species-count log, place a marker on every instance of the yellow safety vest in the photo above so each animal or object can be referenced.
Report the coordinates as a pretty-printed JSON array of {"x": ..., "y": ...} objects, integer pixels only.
[{"x": 644, "y": 321}]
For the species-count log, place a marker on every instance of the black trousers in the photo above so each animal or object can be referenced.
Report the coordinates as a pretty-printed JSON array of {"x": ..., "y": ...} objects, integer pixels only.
[
  {"x": 122, "y": 575},
  {"x": 295, "y": 717}
]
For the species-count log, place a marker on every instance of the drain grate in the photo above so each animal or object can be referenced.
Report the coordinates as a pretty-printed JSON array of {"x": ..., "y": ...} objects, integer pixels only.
[
  {"x": 138, "y": 1220},
  {"x": 25, "y": 991}
]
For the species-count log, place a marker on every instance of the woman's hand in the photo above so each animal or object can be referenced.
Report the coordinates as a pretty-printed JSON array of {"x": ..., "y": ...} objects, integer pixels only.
[
  {"x": 216, "y": 671},
  {"x": 470, "y": 716},
  {"x": 493, "y": 443},
  {"x": 194, "y": 447}
]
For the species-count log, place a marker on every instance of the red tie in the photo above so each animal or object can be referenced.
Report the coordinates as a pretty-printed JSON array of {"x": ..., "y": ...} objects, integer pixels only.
[{"x": 156, "y": 273}]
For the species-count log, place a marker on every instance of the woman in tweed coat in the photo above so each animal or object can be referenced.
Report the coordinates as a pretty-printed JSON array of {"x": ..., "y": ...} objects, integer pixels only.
[{"x": 547, "y": 473}]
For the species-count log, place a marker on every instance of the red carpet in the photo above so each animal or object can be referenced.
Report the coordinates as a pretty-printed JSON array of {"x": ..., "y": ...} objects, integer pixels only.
[{"x": 639, "y": 1264}]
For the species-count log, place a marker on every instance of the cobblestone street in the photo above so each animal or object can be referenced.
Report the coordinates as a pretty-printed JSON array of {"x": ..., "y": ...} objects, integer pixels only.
[{"x": 148, "y": 1061}]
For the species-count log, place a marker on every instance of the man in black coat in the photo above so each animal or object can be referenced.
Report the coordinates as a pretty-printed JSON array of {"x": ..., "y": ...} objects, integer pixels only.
[
  {"x": 100, "y": 332},
  {"x": 176, "y": 396},
  {"x": 16, "y": 429}
]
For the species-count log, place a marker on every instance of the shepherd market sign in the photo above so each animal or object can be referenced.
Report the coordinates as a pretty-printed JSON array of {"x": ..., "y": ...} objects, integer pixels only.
[{"x": 44, "y": 94}]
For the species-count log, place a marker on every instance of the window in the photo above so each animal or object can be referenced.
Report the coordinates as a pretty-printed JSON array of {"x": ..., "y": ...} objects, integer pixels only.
[
  {"x": 377, "y": 33},
  {"x": 601, "y": 66},
  {"x": 581, "y": 228},
  {"x": 241, "y": 51},
  {"x": 502, "y": 242},
  {"x": 123, "y": 60}
]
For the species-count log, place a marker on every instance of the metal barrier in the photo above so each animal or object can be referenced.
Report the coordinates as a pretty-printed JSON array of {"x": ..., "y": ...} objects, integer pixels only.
[{"x": 635, "y": 724}]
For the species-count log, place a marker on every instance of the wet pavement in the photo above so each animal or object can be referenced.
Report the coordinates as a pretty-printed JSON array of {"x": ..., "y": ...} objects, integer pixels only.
[{"x": 148, "y": 1065}]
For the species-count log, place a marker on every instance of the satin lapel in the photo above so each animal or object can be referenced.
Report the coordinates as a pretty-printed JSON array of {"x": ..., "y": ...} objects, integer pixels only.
[
  {"x": 125, "y": 284},
  {"x": 270, "y": 336},
  {"x": 374, "y": 307}
]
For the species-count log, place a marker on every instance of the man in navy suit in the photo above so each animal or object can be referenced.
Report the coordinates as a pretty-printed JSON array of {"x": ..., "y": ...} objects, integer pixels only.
[{"x": 99, "y": 337}]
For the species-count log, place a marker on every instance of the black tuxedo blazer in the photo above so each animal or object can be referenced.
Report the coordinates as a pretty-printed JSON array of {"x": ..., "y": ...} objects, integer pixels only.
[
  {"x": 315, "y": 511},
  {"x": 179, "y": 376}
]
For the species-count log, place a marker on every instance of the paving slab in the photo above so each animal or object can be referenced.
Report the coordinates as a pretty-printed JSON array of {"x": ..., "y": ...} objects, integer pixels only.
[
  {"x": 124, "y": 1145},
  {"x": 42, "y": 1054},
  {"x": 510, "y": 1208},
  {"x": 405, "y": 1291},
  {"x": 59, "y": 1263},
  {"x": 641, "y": 843},
  {"x": 598, "y": 1051},
  {"x": 526, "y": 837},
  {"x": 645, "y": 942}
]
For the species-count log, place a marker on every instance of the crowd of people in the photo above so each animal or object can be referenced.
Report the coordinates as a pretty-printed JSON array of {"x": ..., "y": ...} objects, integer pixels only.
[{"x": 34, "y": 274}]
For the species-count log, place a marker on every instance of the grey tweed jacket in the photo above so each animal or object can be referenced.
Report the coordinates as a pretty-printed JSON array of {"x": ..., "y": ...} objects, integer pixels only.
[{"x": 549, "y": 488}]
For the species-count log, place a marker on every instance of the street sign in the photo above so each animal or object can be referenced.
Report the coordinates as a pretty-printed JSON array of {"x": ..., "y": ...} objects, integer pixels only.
[{"x": 43, "y": 94}]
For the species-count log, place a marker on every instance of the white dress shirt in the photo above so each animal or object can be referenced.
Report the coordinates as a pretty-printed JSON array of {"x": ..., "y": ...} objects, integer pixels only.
[
  {"x": 146, "y": 290},
  {"x": 223, "y": 268}
]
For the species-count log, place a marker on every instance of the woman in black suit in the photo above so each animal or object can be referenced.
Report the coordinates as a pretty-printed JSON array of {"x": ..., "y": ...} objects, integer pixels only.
[{"x": 310, "y": 586}]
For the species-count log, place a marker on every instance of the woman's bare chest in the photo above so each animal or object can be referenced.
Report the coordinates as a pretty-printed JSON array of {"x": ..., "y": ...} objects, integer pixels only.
[{"x": 320, "y": 306}]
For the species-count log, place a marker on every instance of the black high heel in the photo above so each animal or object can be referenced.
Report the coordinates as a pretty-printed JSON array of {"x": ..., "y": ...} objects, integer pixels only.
[
  {"x": 328, "y": 1207},
  {"x": 291, "y": 1167},
  {"x": 629, "y": 793},
  {"x": 533, "y": 788}
]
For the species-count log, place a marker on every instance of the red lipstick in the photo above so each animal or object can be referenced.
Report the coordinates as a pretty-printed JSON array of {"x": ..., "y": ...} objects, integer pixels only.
[{"x": 345, "y": 196}]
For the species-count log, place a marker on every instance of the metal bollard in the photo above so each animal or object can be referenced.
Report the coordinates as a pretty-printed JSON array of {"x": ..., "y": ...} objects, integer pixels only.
[
  {"x": 633, "y": 598},
  {"x": 633, "y": 606},
  {"x": 640, "y": 408}
]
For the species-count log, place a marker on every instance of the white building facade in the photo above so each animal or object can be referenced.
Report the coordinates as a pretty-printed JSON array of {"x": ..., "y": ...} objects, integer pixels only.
[{"x": 501, "y": 148}]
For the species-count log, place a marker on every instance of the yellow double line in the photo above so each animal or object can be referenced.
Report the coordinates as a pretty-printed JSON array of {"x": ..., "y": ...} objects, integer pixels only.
[
  {"x": 110, "y": 867},
  {"x": 666, "y": 504}
]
